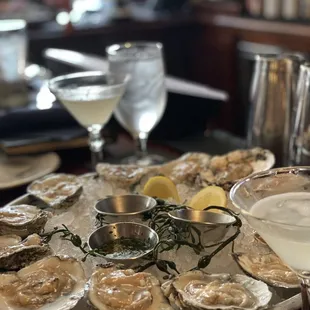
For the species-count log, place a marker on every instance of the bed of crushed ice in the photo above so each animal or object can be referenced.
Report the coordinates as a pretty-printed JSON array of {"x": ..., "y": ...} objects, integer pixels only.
[{"x": 81, "y": 218}]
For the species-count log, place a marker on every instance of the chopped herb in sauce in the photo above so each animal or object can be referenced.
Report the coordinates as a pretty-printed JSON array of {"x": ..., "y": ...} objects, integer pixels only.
[{"x": 125, "y": 248}]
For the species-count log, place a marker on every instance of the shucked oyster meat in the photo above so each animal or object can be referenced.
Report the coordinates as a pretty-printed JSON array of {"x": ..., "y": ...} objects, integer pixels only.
[
  {"x": 186, "y": 168},
  {"x": 124, "y": 175},
  {"x": 16, "y": 254},
  {"x": 225, "y": 170},
  {"x": 197, "y": 290},
  {"x": 51, "y": 283},
  {"x": 57, "y": 190},
  {"x": 194, "y": 169},
  {"x": 22, "y": 220},
  {"x": 112, "y": 289},
  {"x": 267, "y": 267}
]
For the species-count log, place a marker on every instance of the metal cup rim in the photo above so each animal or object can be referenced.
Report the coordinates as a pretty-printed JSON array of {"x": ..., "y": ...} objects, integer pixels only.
[
  {"x": 125, "y": 213},
  {"x": 129, "y": 258},
  {"x": 173, "y": 216}
]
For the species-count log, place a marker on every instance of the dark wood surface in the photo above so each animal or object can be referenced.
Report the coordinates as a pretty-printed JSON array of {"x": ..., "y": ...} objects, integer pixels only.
[{"x": 77, "y": 161}]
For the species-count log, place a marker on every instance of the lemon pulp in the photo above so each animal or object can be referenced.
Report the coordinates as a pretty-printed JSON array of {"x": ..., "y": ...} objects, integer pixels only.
[{"x": 161, "y": 187}]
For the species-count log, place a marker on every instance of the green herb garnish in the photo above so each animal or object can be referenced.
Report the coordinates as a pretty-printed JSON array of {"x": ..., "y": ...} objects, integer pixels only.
[
  {"x": 172, "y": 236},
  {"x": 123, "y": 248}
]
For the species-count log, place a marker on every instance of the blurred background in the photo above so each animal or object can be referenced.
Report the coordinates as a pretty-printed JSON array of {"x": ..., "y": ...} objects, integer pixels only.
[{"x": 211, "y": 44}]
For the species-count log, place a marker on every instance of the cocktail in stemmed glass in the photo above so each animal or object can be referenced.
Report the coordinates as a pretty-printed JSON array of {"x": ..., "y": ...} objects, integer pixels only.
[
  {"x": 91, "y": 98},
  {"x": 276, "y": 203}
]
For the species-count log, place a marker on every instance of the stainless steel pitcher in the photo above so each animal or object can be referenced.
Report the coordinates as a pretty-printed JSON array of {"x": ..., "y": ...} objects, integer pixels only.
[
  {"x": 300, "y": 135},
  {"x": 272, "y": 99}
]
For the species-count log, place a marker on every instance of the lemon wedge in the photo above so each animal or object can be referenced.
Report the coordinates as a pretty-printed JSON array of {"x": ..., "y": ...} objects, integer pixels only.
[
  {"x": 161, "y": 187},
  {"x": 209, "y": 196}
]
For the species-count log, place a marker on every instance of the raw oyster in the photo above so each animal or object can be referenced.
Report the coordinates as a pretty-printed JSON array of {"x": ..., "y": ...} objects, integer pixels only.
[
  {"x": 227, "y": 169},
  {"x": 16, "y": 254},
  {"x": 197, "y": 290},
  {"x": 186, "y": 168},
  {"x": 112, "y": 289},
  {"x": 57, "y": 190},
  {"x": 194, "y": 169},
  {"x": 51, "y": 283},
  {"x": 22, "y": 220},
  {"x": 268, "y": 268},
  {"x": 123, "y": 176},
  {"x": 259, "y": 238},
  {"x": 9, "y": 240}
]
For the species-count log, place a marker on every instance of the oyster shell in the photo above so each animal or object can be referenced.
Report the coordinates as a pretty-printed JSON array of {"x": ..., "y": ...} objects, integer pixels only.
[
  {"x": 186, "y": 168},
  {"x": 51, "y": 283},
  {"x": 111, "y": 289},
  {"x": 16, "y": 254},
  {"x": 194, "y": 169},
  {"x": 9, "y": 240},
  {"x": 260, "y": 239},
  {"x": 124, "y": 176},
  {"x": 197, "y": 290},
  {"x": 268, "y": 268},
  {"x": 22, "y": 220},
  {"x": 227, "y": 169},
  {"x": 57, "y": 190}
]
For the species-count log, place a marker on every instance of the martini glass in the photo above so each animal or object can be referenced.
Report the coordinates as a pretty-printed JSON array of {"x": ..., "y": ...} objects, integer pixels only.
[
  {"x": 276, "y": 203},
  {"x": 90, "y": 97}
]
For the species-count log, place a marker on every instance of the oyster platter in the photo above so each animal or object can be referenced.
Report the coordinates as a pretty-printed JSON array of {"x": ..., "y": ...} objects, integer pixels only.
[{"x": 138, "y": 238}]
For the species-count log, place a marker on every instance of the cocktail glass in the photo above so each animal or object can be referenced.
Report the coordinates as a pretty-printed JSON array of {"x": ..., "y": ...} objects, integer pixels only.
[
  {"x": 90, "y": 97},
  {"x": 288, "y": 238},
  {"x": 144, "y": 101}
]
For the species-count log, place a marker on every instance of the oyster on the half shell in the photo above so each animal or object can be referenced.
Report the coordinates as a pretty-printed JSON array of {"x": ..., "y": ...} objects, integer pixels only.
[
  {"x": 22, "y": 220},
  {"x": 268, "y": 268},
  {"x": 57, "y": 190},
  {"x": 225, "y": 170},
  {"x": 112, "y": 289},
  {"x": 51, "y": 283},
  {"x": 16, "y": 254},
  {"x": 197, "y": 290}
]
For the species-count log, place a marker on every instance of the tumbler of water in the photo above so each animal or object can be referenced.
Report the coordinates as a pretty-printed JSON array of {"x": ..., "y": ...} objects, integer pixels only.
[
  {"x": 13, "y": 54},
  {"x": 144, "y": 101}
]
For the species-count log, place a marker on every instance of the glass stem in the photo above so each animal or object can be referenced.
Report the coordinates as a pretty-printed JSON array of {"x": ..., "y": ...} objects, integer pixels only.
[
  {"x": 141, "y": 144},
  {"x": 305, "y": 286},
  {"x": 96, "y": 143}
]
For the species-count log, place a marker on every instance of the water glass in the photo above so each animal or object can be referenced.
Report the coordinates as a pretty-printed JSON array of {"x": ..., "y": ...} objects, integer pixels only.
[
  {"x": 13, "y": 55},
  {"x": 144, "y": 101}
]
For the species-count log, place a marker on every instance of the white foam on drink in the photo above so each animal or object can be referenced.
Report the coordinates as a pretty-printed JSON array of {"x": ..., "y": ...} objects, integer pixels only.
[
  {"x": 291, "y": 243},
  {"x": 287, "y": 208}
]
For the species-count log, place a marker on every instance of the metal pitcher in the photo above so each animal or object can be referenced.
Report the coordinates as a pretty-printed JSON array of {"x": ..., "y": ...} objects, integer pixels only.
[
  {"x": 300, "y": 135},
  {"x": 272, "y": 99}
]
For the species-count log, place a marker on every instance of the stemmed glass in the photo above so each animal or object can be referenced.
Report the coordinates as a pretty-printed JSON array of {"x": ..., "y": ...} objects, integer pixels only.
[
  {"x": 91, "y": 98},
  {"x": 276, "y": 203},
  {"x": 144, "y": 101}
]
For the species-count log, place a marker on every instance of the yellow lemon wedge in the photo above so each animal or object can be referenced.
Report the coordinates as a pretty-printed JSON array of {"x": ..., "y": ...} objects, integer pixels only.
[
  {"x": 161, "y": 187},
  {"x": 209, "y": 196}
]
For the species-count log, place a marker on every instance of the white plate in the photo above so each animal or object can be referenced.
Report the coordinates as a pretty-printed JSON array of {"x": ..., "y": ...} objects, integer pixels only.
[{"x": 20, "y": 170}]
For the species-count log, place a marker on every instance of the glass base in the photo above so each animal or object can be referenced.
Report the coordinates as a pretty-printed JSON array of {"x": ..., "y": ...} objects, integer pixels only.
[{"x": 148, "y": 160}]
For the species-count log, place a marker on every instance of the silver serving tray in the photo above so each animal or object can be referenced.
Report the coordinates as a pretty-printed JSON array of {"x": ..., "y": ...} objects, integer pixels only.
[{"x": 291, "y": 300}]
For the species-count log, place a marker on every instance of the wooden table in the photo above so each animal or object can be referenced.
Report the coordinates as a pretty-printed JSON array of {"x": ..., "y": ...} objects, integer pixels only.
[{"x": 77, "y": 161}]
